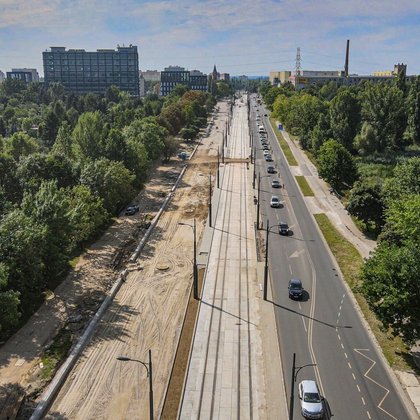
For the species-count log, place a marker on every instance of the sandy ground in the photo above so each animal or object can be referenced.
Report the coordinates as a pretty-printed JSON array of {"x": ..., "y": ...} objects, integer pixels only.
[{"x": 147, "y": 312}]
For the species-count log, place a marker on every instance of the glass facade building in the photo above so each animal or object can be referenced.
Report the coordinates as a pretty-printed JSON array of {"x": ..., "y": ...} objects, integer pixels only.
[
  {"x": 81, "y": 71},
  {"x": 174, "y": 75}
]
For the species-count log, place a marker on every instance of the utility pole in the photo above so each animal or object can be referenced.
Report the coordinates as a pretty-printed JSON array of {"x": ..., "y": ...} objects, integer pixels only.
[
  {"x": 210, "y": 192},
  {"x": 195, "y": 272},
  {"x": 292, "y": 389},
  {"x": 258, "y": 202},
  {"x": 266, "y": 261}
]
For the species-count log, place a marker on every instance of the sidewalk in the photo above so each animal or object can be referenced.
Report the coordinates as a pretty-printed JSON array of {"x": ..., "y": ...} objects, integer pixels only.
[{"x": 325, "y": 202}]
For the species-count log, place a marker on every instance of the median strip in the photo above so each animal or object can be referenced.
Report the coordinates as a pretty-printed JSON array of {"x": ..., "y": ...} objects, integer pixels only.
[
  {"x": 304, "y": 186},
  {"x": 284, "y": 145}
]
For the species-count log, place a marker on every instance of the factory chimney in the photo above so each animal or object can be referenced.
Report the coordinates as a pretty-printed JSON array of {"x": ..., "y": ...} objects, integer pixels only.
[{"x": 346, "y": 65}]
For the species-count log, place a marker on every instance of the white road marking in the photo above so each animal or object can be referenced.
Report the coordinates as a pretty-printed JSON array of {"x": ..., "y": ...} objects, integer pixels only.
[
  {"x": 363, "y": 401},
  {"x": 290, "y": 269},
  {"x": 338, "y": 335},
  {"x": 297, "y": 253},
  {"x": 349, "y": 364},
  {"x": 354, "y": 376},
  {"x": 345, "y": 354},
  {"x": 368, "y": 414},
  {"x": 342, "y": 346},
  {"x": 304, "y": 324},
  {"x": 358, "y": 388}
]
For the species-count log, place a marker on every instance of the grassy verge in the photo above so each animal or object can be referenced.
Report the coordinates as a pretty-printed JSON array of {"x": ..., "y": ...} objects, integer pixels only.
[
  {"x": 350, "y": 262},
  {"x": 304, "y": 186},
  {"x": 56, "y": 353},
  {"x": 283, "y": 144}
]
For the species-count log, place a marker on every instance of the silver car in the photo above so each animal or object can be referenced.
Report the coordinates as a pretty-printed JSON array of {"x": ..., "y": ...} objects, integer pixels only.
[
  {"x": 275, "y": 201},
  {"x": 310, "y": 400}
]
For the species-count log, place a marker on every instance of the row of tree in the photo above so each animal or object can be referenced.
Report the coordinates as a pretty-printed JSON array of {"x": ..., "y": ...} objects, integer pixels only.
[
  {"x": 365, "y": 140},
  {"x": 67, "y": 165}
]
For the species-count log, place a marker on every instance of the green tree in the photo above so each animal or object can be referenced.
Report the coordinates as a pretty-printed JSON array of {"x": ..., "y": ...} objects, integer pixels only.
[
  {"x": 336, "y": 165},
  {"x": 9, "y": 181},
  {"x": 49, "y": 128},
  {"x": 391, "y": 285},
  {"x": 109, "y": 180},
  {"x": 366, "y": 203},
  {"x": 9, "y": 303},
  {"x": 320, "y": 133},
  {"x": 19, "y": 145},
  {"x": 171, "y": 145},
  {"x": 64, "y": 142},
  {"x": 412, "y": 133},
  {"x": 22, "y": 244},
  {"x": 367, "y": 141},
  {"x": 344, "y": 118},
  {"x": 383, "y": 108},
  {"x": 89, "y": 136}
]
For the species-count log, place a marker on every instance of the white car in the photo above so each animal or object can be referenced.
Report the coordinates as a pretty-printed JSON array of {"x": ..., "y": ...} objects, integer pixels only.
[
  {"x": 275, "y": 201},
  {"x": 310, "y": 400},
  {"x": 266, "y": 152}
]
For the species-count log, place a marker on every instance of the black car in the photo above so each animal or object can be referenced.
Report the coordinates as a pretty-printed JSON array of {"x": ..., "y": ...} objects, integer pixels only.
[
  {"x": 283, "y": 228},
  {"x": 131, "y": 209},
  {"x": 295, "y": 289},
  {"x": 271, "y": 169}
]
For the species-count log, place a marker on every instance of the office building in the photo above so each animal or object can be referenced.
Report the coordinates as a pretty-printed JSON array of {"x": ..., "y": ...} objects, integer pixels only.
[
  {"x": 151, "y": 75},
  {"x": 175, "y": 75},
  {"x": 26, "y": 75},
  {"x": 279, "y": 77},
  {"x": 81, "y": 71},
  {"x": 198, "y": 80},
  {"x": 225, "y": 77},
  {"x": 2, "y": 76}
]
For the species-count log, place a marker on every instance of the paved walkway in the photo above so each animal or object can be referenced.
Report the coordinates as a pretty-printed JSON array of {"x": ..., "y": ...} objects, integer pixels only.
[{"x": 231, "y": 368}]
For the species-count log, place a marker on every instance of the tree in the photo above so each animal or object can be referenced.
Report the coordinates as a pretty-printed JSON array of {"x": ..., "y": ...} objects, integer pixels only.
[
  {"x": 383, "y": 108},
  {"x": 49, "y": 128},
  {"x": 171, "y": 145},
  {"x": 320, "y": 133},
  {"x": 9, "y": 303},
  {"x": 64, "y": 142},
  {"x": 412, "y": 133},
  {"x": 336, "y": 165},
  {"x": 366, "y": 203},
  {"x": 172, "y": 118},
  {"x": 115, "y": 147},
  {"x": 49, "y": 207},
  {"x": 22, "y": 244},
  {"x": 112, "y": 94},
  {"x": 86, "y": 214},
  {"x": 89, "y": 135},
  {"x": 366, "y": 142},
  {"x": 328, "y": 91},
  {"x": 111, "y": 181},
  {"x": 391, "y": 285},
  {"x": 19, "y": 145},
  {"x": 345, "y": 118},
  {"x": 9, "y": 181}
]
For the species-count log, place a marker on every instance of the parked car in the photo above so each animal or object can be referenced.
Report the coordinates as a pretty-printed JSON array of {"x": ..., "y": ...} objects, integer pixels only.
[
  {"x": 310, "y": 400},
  {"x": 131, "y": 209},
  {"x": 266, "y": 152},
  {"x": 283, "y": 228},
  {"x": 268, "y": 158},
  {"x": 265, "y": 147},
  {"x": 295, "y": 289},
  {"x": 275, "y": 183},
  {"x": 271, "y": 169},
  {"x": 275, "y": 201}
]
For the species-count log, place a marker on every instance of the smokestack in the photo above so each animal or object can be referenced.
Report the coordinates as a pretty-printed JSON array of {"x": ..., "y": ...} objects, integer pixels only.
[{"x": 346, "y": 65}]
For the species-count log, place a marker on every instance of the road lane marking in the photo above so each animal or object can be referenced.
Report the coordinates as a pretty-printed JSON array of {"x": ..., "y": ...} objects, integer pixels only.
[
  {"x": 358, "y": 388},
  {"x": 290, "y": 269},
  {"x": 338, "y": 335},
  {"x": 342, "y": 346},
  {"x": 387, "y": 391},
  {"x": 345, "y": 354},
  {"x": 354, "y": 376},
  {"x": 304, "y": 324},
  {"x": 368, "y": 414},
  {"x": 349, "y": 364},
  {"x": 363, "y": 401}
]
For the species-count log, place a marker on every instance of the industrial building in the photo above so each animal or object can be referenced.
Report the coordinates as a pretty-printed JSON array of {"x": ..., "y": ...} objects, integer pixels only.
[{"x": 81, "y": 71}]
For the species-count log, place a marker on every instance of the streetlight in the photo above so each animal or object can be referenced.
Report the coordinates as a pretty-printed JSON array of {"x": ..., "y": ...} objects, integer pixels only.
[
  {"x": 266, "y": 259},
  {"x": 218, "y": 163},
  {"x": 258, "y": 202},
  {"x": 210, "y": 192},
  {"x": 149, "y": 370},
  {"x": 295, "y": 371},
  {"x": 195, "y": 270}
]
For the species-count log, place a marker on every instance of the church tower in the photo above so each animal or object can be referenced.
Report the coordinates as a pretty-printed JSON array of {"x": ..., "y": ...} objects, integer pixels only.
[{"x": 214, "y": 74}]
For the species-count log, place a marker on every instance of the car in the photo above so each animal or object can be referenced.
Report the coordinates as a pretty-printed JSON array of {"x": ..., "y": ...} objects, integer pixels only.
[
  {"x": 295, "y": 289},
  {"x": 275, "y": 183},
  {"x": 265, "y": 115},
  {"x": 131, "y": 209},
  {"x": 283, "y": 228},
  {"x": 310, "y": 400},
  {"x": 265, "y": 147},
  {"x": 266, "y": 152},
  {"x": 275, "y": 201},
  {"x": 268, "y": 158},
  {"x": 271, "y": 169}
]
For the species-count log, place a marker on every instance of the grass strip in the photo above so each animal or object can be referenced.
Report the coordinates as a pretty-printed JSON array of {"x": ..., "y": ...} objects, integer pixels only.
[
  {"x": 304, "y": 186},
  {"x": 350, "y": 262},
  {"x": 283, "y": 144}
]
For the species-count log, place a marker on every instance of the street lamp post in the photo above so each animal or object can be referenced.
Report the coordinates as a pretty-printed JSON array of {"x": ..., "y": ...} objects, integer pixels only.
[
  {"x": 149, "y": 370},
  {"x": 210, "y": 192},
  {"x": 195, "y": 268},
  {"x": 258, "y": 202},
  {"x": 266, "y": 259}
]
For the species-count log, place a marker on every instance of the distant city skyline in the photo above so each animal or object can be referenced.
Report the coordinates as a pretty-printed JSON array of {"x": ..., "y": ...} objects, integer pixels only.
[{"x": 242, "y": 37}]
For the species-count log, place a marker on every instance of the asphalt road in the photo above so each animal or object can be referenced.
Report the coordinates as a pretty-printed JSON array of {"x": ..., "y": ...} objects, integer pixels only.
[{"x": 324, "y": 329}]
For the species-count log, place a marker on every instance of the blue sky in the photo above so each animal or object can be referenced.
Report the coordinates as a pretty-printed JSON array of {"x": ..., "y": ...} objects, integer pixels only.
[{"x": 249, "y": 37}]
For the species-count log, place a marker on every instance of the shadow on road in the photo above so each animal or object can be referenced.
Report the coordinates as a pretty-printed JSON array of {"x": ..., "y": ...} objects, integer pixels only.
[
  {"x": 309, "y": 317},
  {"x": 226, "y": 312}
]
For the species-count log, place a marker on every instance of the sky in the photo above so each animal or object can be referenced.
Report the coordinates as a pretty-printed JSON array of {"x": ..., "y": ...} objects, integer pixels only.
[{"x": 251, "y": 37}]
